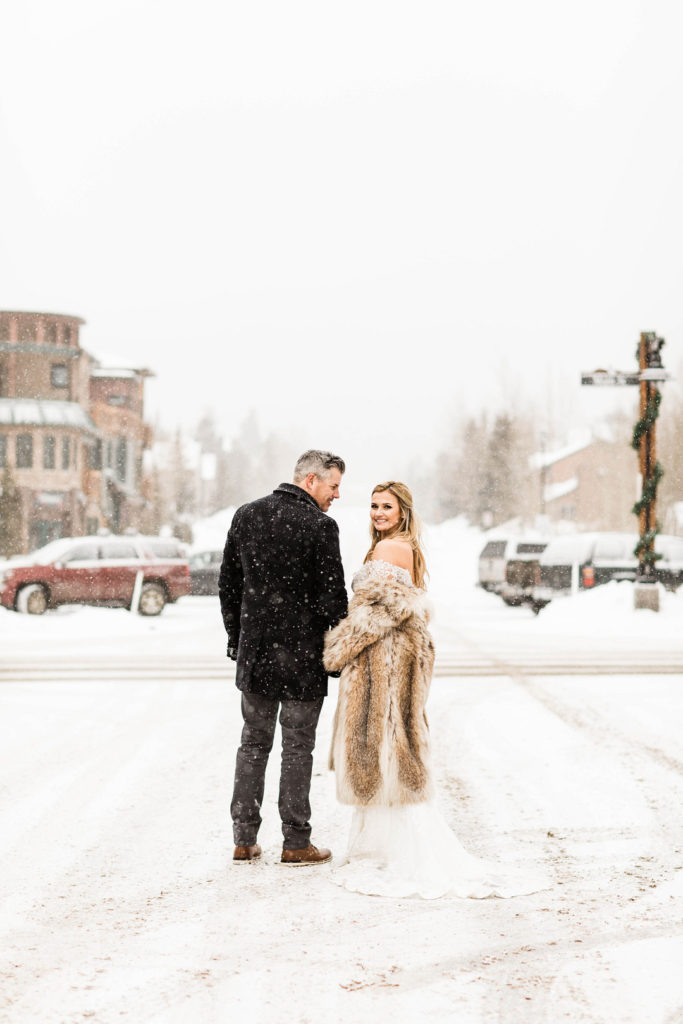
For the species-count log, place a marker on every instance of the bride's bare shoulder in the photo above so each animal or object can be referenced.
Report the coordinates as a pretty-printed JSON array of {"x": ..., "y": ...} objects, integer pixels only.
[{"x": 397, "y": 552}]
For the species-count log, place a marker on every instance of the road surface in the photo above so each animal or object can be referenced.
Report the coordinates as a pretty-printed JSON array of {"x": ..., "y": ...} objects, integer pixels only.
[{"x": 120, "y": 901}]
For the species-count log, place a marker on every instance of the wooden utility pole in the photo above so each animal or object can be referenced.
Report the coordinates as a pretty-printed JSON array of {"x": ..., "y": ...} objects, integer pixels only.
[
  {"x": 649, "y": 359},
  {"x": 650, "y": 373},
  {"x": 647, "y": 441}
]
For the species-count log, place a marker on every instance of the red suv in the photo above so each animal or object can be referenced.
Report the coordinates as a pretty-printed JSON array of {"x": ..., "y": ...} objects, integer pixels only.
[{"x": 114, "y": 571}]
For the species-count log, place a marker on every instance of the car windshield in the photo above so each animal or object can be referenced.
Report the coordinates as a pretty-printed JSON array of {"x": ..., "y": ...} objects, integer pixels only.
[
  {"x": 530, "y": 548},
  {"x": 494, "y": 549}
]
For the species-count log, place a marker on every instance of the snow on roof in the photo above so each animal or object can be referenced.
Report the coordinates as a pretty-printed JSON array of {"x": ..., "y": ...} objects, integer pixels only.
[
  {"x": 540, "y": 459},
  {"x": 44, "y": 413},
  {"x": 579, "y": 439},
  {"x": 559, "y": 489},
  {"x": 101, "y": 371}
]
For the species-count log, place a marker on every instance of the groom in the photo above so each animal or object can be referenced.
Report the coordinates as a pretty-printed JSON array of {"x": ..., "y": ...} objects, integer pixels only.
[{"x": 281, "y": 587}]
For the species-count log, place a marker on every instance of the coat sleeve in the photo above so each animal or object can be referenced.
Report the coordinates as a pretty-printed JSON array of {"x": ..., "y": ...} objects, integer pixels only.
[
  {"x": 351, "y": 636},
  {"x": 231, "y": 587},
  {"x": 332, "y": 597}
]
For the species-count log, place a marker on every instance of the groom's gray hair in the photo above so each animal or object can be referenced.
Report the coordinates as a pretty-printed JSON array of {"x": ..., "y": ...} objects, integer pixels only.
[{"x": 318, "y": 462}]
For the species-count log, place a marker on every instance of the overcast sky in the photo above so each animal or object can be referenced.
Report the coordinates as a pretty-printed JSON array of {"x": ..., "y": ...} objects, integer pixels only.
[{"x": 353, "y": 218}]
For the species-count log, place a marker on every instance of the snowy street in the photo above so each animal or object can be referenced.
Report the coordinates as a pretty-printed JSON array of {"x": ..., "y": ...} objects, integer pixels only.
[{"x": 121, "y": 903}]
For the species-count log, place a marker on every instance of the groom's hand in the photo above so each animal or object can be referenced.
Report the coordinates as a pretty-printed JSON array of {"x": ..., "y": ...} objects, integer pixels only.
[{"x": 232, "y": 651}]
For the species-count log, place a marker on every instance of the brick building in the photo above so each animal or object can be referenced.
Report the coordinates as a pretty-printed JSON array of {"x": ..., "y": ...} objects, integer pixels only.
[
  {"x": 592, "y": 484},
  {"x": 71, "y": 432}
]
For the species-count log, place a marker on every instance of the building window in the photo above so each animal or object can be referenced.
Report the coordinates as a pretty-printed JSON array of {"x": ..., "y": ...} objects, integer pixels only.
[
  {"x": 117, "y": 400},
  {"x": 122, "y": 459},
  {"x": 50, "y": 333},
  {"x": 67, "y": 334},
  {"x": 24, "y": 451},
  {"x": 66, "y": 452},
  {"x": 3, "y": 450},
  {"x": 59, "y": 375},
  {"x": 27, "y": 331},
  {"x": 96, "y": 454},
  {"x": 110, "y": 455},
  {"x": 49, "y": 452}
]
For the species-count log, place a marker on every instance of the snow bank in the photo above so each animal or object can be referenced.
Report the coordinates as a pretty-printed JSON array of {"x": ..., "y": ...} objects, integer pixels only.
[{"x": 610, "y": 608}]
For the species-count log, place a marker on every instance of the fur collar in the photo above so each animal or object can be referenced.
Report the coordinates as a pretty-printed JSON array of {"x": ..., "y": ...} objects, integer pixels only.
[{"x": 396, "y": 600}]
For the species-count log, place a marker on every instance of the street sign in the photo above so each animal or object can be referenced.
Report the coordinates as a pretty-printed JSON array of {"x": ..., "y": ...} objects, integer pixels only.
[
  {"x": 610, "y": 378},
  {"x": 618, "y": 378},
  {"x": 657, "y": 374}
]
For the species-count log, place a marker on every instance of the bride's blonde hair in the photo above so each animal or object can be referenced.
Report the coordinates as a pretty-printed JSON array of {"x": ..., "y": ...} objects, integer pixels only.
[{"x": 409, "y": 528}]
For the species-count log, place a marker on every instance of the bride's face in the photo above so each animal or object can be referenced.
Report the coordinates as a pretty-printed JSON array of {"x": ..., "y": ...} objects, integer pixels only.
[{"x": 385, "y": 511}]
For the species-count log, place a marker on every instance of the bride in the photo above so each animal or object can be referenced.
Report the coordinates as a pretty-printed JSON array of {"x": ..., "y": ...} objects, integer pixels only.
[{"x": 399, "y": 843}]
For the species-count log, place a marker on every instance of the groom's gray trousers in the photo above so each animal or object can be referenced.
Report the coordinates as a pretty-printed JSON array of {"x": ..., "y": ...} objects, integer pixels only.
[{"x": 298, "y": 722}]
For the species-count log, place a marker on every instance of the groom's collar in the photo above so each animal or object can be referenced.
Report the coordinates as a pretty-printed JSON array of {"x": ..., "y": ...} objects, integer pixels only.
[{"x": 294, "y": 491}]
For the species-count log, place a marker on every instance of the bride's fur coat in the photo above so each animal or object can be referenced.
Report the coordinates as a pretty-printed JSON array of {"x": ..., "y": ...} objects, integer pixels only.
[{"x": 380, "y": 743}]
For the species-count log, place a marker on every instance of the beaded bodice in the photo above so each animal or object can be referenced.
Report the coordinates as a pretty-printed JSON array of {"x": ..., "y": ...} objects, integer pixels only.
[{"x": 379, "y": 569}]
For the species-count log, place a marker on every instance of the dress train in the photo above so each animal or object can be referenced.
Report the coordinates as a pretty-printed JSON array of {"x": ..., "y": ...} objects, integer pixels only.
[{"x": 410, "y": 850}]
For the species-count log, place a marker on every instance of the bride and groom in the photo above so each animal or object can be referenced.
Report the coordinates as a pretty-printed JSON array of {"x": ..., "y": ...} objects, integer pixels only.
[{"x": 284, "y": 606}]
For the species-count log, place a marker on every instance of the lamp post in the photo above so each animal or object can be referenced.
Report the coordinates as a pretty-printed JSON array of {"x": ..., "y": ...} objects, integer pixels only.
[{"x": 650, "y": 373}]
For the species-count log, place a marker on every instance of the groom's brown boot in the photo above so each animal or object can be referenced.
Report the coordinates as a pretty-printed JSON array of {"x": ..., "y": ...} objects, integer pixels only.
[
  {"x": 309, "y": 855},
  {"x": 246, "y": 853}
]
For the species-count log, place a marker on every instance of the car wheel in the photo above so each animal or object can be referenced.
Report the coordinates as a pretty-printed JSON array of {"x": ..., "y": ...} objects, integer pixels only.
[
  {"x": 152, "y": 599},
  {"x": 32, "y": 599}
]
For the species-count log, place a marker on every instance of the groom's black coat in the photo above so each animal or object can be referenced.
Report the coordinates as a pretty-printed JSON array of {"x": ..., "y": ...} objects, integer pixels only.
[{"x": 281, "y": 587}]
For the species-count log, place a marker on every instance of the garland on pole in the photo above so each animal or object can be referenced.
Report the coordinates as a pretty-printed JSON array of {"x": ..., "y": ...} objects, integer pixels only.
[
  {"x": 649, "y": 490},
  {"x": 648, "y": 420},
  {"x": 644, "y": 549}
]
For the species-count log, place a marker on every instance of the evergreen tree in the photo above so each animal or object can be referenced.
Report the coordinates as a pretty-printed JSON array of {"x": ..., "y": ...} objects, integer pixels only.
[
  {"x": 498, "y": 485},
  {"x": 484, "y": 473}
]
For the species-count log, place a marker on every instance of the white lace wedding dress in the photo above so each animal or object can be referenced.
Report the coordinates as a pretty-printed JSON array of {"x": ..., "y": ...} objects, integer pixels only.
[{"x": 410, "y": 850}]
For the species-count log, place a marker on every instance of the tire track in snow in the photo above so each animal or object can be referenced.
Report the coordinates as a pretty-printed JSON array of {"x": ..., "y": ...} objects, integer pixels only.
[{"x": 593, "y": 723}]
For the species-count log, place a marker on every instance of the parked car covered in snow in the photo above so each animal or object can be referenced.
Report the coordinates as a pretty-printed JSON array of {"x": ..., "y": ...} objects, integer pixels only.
[
  {"x": 582, "y": 561},
  {"x": 669, "y": 568},
  {"x": 96, "y": 571},
  {"x": 520, "y": 574},
  {"x": 204, "y": 569},
  {"x": 495, "y": 556}
]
